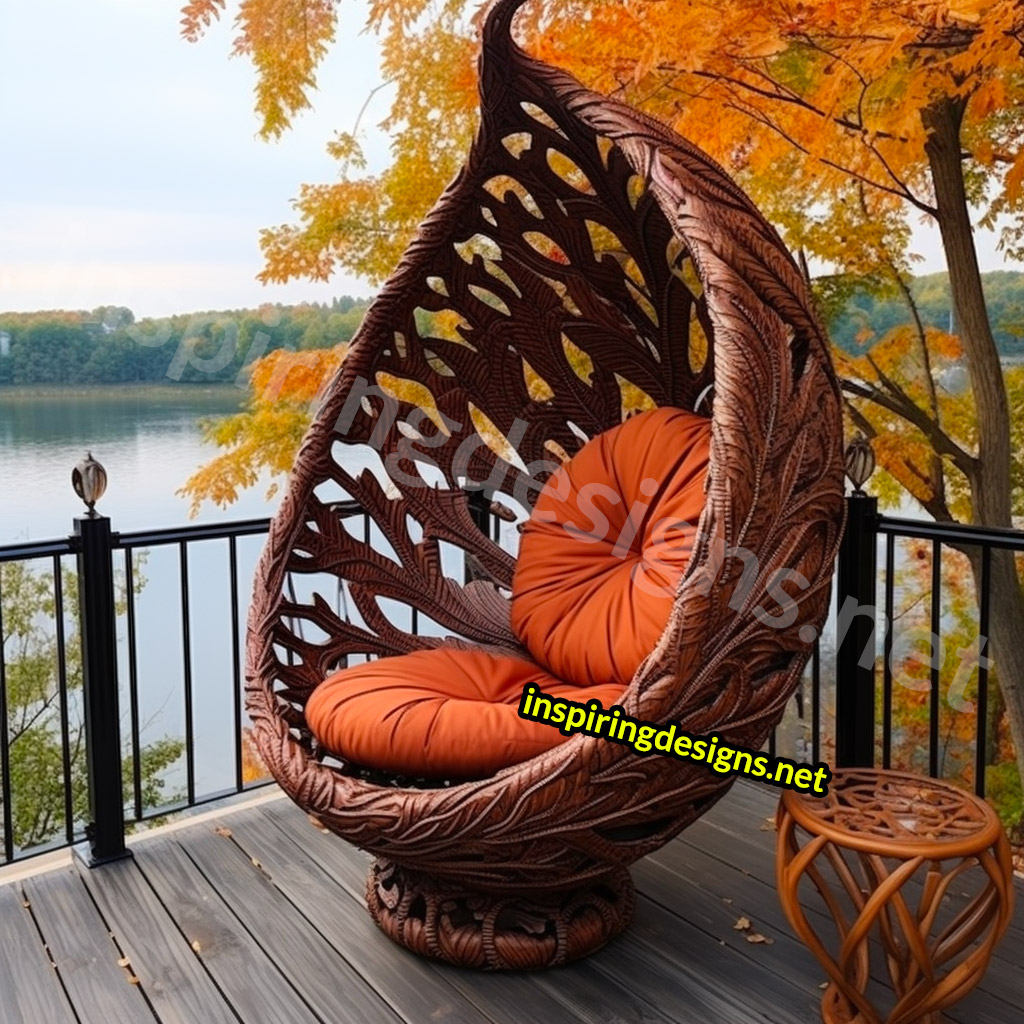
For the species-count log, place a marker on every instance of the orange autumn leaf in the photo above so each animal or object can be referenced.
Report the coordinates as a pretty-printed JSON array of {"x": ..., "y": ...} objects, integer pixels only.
[
  {"x": 265, "y": 436},
  {"x": 817, "y": 108}
]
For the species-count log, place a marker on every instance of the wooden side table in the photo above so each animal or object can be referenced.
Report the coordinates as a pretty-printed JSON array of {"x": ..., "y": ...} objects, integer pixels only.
[{"x": 882, "y": 849}]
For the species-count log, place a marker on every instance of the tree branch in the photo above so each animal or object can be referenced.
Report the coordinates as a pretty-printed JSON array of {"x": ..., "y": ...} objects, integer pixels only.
[
  {"x": 900, "y": 190},
  {"x": 784, "y": 95},
  {"x": 935, "y": 507},
  {"x": 901, "y": 405}
]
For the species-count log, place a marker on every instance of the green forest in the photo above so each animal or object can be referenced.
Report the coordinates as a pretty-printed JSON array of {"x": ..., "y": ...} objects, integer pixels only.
[
  {"x": 862, "y": 309},
  {"x": 108, "y": 345}
]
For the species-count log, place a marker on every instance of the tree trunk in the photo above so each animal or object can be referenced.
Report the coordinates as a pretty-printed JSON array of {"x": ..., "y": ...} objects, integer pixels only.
[
  {"x": 994, "y": 725},
  {"x": 990, "y": 482}
]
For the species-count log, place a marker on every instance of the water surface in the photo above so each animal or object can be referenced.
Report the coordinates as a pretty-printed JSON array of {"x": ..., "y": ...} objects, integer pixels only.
[{"x": 147, "y": 437}]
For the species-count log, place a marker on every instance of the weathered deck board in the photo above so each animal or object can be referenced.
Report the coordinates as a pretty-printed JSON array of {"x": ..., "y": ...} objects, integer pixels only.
[
  {"x": 761, "y": 906},
  {"x": 745, "y": 802},
  {"x": 85, "y": 955},
  {"x": 327, "y": 982},
  {"x": 237, "y": 963},
  {"x": 498, "y": 997},
  {"x": 727, "y": 840},
  {"x": 175, "y": 983},
  {"x": 706, "y": 959},
  {"x": 413, "y": 988},
  {"x": 257, "y": 916},
  {"x": 684, "y": 947},
  {"x": 30, "y": 990}
]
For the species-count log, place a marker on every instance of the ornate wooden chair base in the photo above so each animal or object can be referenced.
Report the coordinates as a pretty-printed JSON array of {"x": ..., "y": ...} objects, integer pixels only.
[
  {"x": 496, "y": 932},
  {"x": 909, "y": 838}
]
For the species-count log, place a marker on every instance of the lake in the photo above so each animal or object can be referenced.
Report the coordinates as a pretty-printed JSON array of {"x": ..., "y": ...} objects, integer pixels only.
[{"x": 148, "y": 438}]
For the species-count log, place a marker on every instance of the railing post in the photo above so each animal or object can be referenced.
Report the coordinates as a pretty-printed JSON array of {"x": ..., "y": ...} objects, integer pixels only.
[
  {"x": 97, "y": 611},
  {"x": 480, "y": 512},
  {"x": 856, "y": 587}
]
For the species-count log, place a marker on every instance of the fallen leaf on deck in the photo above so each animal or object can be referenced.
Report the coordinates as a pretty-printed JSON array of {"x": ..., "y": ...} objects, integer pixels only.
[
  {"x": 132, "y": 979},
  {"x": 221, "y": 830},
  {"x": 758, "y": 937},
  {"x": 823, "y": 985},
  {"x": 742, "y": 924},
  {"x": 317, "y": 823},
  {"x": 196, "y": 948},
  {"x": 769, "y": 825},
  {"x": 123, "y": 962}
]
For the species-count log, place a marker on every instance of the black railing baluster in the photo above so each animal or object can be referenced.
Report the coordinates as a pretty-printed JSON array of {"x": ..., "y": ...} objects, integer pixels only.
[
  {"x": 5, "y": 750},
  {"x": 105, "y": 832},
  {"x": 133, "y": 685},
  {"x": 480, "y": 513},
  {"x": 62, "y": 700},
  {"x": 186, "y": 643},
  {"x": 981, "y": 740},
  {"x": 236, "y": 662},
  {"x": 936, "y": 665},
  {"x": 890, "y": 569}
]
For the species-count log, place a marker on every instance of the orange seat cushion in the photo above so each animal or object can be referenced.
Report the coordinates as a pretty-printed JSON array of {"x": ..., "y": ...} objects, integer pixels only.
[
  {"x": 441, "y": 713},
  {"x": 606, "y": 545},
  {"x": 599, "y": 563}
]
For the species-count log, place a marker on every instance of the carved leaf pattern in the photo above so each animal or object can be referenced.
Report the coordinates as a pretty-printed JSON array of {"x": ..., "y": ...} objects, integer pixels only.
[{"x": 587, "y": 247}]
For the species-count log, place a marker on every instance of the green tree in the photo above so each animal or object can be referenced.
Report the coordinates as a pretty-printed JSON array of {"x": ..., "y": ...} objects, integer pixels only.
[{"x": 34, "y": 709}]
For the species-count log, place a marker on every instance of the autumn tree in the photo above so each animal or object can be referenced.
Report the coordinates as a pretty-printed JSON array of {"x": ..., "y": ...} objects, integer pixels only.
[{"x": 845, "y": 119}]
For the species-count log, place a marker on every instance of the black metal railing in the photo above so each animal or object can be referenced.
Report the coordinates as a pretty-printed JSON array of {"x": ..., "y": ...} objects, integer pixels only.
[
  {"x": 52, "y": 552},
  {"x": 182, "y": 541},
  {"x": 946, "y": 560},
  {"x": 87, "y": 712},
  {"x": 94, "y": 686},
  {"x": 96, "y": 717}
]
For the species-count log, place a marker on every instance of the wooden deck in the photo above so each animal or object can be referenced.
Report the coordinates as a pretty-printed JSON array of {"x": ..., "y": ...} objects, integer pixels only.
[{"x": 256, "y": 917}]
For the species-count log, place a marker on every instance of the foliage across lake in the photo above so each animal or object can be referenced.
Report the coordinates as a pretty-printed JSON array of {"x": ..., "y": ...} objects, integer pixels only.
[
  {"x": 109, "y": 346},
  {"x": 864, "y": 316}
]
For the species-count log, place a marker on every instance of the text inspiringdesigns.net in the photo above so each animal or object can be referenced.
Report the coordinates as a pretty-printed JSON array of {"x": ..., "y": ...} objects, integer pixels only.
[{"x": 642, "y": 737}]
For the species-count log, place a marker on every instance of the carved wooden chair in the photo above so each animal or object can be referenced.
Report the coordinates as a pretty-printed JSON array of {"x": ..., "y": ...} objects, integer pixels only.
[{"x": 585, "y": 261}]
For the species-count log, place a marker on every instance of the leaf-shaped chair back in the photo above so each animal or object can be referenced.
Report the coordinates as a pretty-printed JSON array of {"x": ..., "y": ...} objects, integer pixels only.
[{"x": 585, "y": 263}]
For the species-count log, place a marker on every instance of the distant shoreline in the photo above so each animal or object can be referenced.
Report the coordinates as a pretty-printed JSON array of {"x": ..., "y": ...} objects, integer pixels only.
[{"x": 124, "y": 389}]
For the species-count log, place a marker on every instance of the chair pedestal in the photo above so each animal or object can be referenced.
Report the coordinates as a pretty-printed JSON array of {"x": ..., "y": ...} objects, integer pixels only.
[{"x": 497, "y": 932}]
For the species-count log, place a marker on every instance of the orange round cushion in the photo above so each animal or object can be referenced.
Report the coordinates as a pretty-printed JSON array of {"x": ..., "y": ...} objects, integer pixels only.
[
  {"x": 442, "y": 713},
  {"x": 602, "y": 554}
]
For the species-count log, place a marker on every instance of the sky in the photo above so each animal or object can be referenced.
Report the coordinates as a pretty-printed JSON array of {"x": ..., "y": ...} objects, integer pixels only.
[{"x": 130, "y": 171}]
